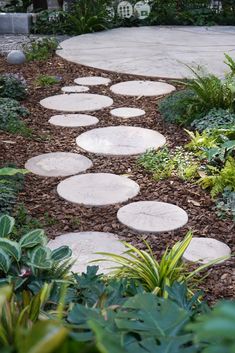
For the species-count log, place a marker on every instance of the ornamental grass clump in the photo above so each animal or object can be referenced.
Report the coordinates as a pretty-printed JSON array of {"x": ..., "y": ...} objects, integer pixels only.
[{"x": 154, "y": 275}]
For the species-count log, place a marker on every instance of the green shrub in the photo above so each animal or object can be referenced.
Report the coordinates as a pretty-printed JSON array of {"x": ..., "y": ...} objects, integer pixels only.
[
  {"x": 47, "y": 80},
  {"x": 29, "y": 259},
  {"x": 51, "y": 22},
  {"x": 12, "y": 86},
  {"x": 225, "y": 205},
  {"x": 40, "y": 49},
  {"x": 215, "y": 119},
  {"x": 10, "y": 113},
  {"x": 174, "y": 107}
]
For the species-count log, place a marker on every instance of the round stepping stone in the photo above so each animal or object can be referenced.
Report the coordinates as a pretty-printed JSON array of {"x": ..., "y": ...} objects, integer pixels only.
[
  {"x": 75, "y": 89},
  {"x": 126, "y": 112},
  {"x": 76, "y": 102},
  {"x": 97, "y": 189},
  {"x": 58, "y": 164},
  {"x": 142, "y": 88},
  {"x": 92, "y": 81},
  {"x": 152, "y": 216},
  {"x": 73, "y": 120},
  {"x": 204, "y": 250},
  {"x": 85, "y": 244},
  {"x": 120, "y": 140}
]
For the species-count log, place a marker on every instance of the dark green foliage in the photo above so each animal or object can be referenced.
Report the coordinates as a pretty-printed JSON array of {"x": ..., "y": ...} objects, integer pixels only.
[
  {"x": 225, "y": 205},
  {"x": 16, "y": 6},
  {"x": 10, "y": 113},
  {"x": 40, "y": 49},
  {"x": 215, "y": 119},
  {"x": 174, "y": 107},
  {"x": 12, "y": 86}
]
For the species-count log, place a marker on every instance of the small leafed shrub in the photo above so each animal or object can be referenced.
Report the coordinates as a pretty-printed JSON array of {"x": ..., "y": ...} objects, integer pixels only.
[
  {"x": 225, "y": 205},
  {"x": 215, "y": 119},
  {"x": 10, "y": 113},
  {"x": 40, "y": 49},
  {"x": 47, "y": 80},
  {"x": 12, "y": 86}
]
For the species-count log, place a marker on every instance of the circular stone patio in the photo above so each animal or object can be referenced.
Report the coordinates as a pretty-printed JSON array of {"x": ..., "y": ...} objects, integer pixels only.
[
  {"x": 74, "y": 89},
  {"x": 57, "y": 164},
  {"x": 76, "y": 102},
  {"x": 142, "y": 88},
  {"x": 97, "y": 189},
  {"x": 85, "y": 244},
  {"x": 120, "y": 140},
  {"x": 155, "y": 51},
  {"x": 204, "y": 250},
  {"x": 73, "y": 120},
  {"x": 92, "y": 81},
  {"x": 152, "y": 216},
  {"x": 127, "y": 113}
]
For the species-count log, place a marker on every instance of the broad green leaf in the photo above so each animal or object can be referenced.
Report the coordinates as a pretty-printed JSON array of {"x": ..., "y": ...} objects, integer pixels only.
[
  {"x": 33, "y": 238},
  {"x": 6, "y": 225},
  {"x": 12, "y": 171},
  {"x": 11, "y": 247},
  {"x": 5, "y": 261},
  {"x": 40, "y": 257},
  {"x": 61, "y": 253},
  {"x": 45, "y": 337}
]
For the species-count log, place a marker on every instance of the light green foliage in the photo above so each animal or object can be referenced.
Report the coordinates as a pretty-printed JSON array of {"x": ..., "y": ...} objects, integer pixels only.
[
  {"x": 215, "y": 331},
  {"x": 12, "y": 86},
  {"x": 215, "y": 119},
  {"x": 10, "y": 113},
  {"x": 164, "y": 163},
  {"x": 30, "y": 255},
  {"x": 46, "y": 80},
  {"x": 230, "y": 63},
  {"x": 218, "y": 180},
  {"x": 155, "y": 275},
  {"x": 201, "y": 140},
  {"x": 40, "y": 49}
]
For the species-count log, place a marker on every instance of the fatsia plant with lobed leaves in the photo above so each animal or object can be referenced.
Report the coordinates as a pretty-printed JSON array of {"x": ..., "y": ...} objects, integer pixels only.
[{"x": 30, "y": 259}]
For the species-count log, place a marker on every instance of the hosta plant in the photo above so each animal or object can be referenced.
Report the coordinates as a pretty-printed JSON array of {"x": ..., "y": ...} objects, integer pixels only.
[
  {"x": 155, "y": 275},
  {"x": 29, "y": 259}
]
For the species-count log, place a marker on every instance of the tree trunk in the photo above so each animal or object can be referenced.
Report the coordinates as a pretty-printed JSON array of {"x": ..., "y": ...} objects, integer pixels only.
[{"x": 40, "y": 5}]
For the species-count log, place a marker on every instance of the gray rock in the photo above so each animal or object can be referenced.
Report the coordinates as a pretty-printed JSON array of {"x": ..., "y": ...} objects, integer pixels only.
[{"x": 16, "y": 57}]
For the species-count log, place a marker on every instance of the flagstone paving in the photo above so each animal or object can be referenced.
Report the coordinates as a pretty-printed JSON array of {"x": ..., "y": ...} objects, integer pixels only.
[
  {"x": 120, "y": 140},
  {"x": 58, "y": 164},
  {"x": 73, "y": 120},
  {"x": 84, "y": 245},
  {"x": 152, "y": 216},
  {"x": 75, "y": 89},
  {"x": 92, "y": 81},
  {"x": 142, "y": 88},
  {"x": 76, "y": 102},
  {"x": 127, "y": 113},
  {"x": 97, "y": 189},
  {"x": 204, "y": 250},
  {"x": 154, "y": 51}
]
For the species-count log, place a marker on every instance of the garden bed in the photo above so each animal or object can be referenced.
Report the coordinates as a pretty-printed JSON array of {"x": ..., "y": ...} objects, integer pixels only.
[{"x": 41, "y": 199}]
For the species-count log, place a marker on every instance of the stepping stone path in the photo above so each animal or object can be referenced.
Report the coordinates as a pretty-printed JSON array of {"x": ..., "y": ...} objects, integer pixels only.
[
  {"x": 76, "y": 102},
  {"x": 204, "y": 250},
  {"x": 73, "y": 120},
  {"x": 97, "y": 189},
  {"x": 127, "y": 113},
  {"x": 120, "y": 140},
  {"x": 57, "y": 164},
  {"x": 85, "y": 244},
  {"x": 142, "y": 88},
  {"x": 92, "y": 81},
  {"x": 74, "y": 89},
  {"x": 152, "y": 216}
]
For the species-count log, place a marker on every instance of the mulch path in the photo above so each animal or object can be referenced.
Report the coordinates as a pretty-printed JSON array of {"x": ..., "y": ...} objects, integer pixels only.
[{"x": 39, "y": 194}]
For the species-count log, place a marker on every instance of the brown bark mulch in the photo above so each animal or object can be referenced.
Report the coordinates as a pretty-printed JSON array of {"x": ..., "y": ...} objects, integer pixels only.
[{"x": 39, "y": 194}]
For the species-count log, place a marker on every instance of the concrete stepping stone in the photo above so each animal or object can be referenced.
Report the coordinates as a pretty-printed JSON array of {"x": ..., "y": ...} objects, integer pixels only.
[
  {"x": 92, "y": 81},
  {"x": 75, "y": 89},
  {"x": 204, "y": 250},
  {"x": 58, "y": 164},
  {"x": 152, "y": 216},
  {"x": 85, "y": 244},
  {"x": 142, "y": 88},
  {"x": 127, "y": 113},
  {"x": 97, "y": 189},
  {"x": 120, "y": 140},
  {"x": 73, "y": 120},
  {"x": 76, "y": 102}
]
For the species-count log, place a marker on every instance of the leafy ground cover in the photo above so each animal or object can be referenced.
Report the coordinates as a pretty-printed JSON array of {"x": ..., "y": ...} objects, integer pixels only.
[{"x": 39, "y": 195}]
